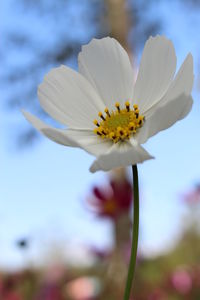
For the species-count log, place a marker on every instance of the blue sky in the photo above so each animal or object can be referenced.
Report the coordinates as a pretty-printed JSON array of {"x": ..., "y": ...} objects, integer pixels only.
[{"x": 43, "y": 188}]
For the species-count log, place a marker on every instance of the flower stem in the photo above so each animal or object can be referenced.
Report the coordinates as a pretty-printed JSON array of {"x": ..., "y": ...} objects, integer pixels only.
[{"x": 135, "y": 232}]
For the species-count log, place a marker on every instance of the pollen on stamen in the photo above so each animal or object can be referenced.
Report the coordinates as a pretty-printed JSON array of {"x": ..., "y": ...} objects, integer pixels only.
[
  {"x": 121, "y": 133},
  {"x": 140, "y": 120},
  {"x": 127, "y": 104},
  {"x": 119, "y": 124},
  {"x": 132, "y": 127},
  {"x": 96, "y": 130},
  {"x": 101, "y": 116},
  {"x": 137, "y": 113},
  {"x": 117, "y": 105},
  {"x": 112, "y": 136},
  {"x": 107, "y": 111},
  {"x": 120, "y": 130},
  {"x": 96, "y": 123}
]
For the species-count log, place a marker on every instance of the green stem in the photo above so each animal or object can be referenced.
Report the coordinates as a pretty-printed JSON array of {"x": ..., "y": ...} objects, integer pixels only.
[{"x": 135, "y": 232}]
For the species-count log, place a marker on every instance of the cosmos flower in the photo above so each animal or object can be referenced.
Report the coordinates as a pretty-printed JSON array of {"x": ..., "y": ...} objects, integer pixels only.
[
  {"x": 182, "y": 281},
  {"x": 193, "y": 197},
  {"x": 105, "y": 113},
  {"x": 113, "y": 200},
  {"x": 83, "y": 288}
]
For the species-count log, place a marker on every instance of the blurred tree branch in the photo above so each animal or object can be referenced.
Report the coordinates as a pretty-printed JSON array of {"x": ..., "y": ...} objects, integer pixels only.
[{"x": 118, "y": 21}]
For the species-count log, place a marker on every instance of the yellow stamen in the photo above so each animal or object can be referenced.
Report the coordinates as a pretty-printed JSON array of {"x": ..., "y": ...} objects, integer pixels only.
[
  {"x": 101, "y": 115},
  {"x": 120, "y": 124},
  {"x": 117, "y": 105},
  {"x": 96, "y": 123},
  {"x": 112, "y": 135},
  {"x": 120, "y": 131},
  {"x": 137, "y": 113},
  {"x": 127, "y": 104},
  {"x": 96, "y": 130},
  {"x": 107, "y": 111},
  {"x": 132, "y": 126}
]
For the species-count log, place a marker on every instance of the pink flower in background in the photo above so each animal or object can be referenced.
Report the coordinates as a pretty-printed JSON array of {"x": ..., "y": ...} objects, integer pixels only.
[
  {"x": 12, "y": 296},
  {"x": 81, "y": 289},
  {"x": 157, "y": 294},
  {"x": 193, "y": 197},
  {"x": 8, "y": 288},
  {"x": 182, "y": 281},
  {"x": 113, "y": 200},
  {"x": 49, "y": 291},
  {"x": 51, "y": 288}
]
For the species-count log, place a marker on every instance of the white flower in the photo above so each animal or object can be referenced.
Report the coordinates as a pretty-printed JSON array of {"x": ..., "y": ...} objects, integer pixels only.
[{"x": 108, "y": 115}]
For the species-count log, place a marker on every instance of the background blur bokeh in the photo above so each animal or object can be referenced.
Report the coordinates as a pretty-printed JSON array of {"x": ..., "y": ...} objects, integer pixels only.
[{"x": 64, "y": 233}]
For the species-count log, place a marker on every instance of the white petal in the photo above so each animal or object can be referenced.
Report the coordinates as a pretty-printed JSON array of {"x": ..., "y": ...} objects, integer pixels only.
[
  {"x": 85, "y": 139},
  {"x": 107, "y": 66},
  {"x": 157, "y": 68},
  {"x": 69, "y": 98},
  {"x": 120, "y": 155},
  {"x": 53, "y": 133},
  {"x": 183, "y": 82},
  {"x": 165, "y": 116}
]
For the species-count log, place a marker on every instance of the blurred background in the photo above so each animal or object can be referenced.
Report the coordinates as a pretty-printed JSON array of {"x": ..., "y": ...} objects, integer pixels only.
[{"x": 65, "y": 233}]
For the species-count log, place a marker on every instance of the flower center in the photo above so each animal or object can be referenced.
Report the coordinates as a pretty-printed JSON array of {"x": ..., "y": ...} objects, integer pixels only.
[
  {"x": 120, "y": 124},
  {"x": 110, "y": 206}
]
